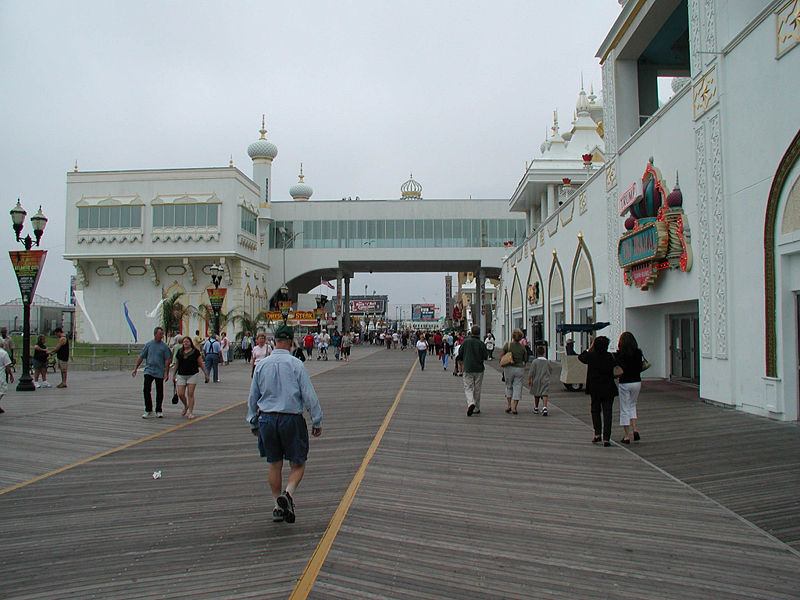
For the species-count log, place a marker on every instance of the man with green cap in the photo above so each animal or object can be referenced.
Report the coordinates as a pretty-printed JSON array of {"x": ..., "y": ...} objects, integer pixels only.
[{"x": 280, "y": 390}]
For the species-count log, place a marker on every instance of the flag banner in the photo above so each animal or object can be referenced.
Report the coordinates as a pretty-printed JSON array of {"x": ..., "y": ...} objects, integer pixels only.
[
  {"x": 27, "y": 267},
  {"x": 154, "y": 312},
  {"x": 80, "y": 304},
  {"x": 130, "y": 323},
  {"x": 216, "y": 296},
  {"x": 328, "y": 283}
]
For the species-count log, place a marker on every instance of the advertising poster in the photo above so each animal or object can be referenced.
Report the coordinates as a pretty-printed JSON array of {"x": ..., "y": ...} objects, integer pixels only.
[
  {"x": 362, "y": 307},
  {"x": 423, "y": 312},
  {"x": 27, "y": 266}
]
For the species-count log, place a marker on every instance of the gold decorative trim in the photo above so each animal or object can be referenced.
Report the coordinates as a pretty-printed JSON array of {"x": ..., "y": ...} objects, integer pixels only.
[
  {"x": 705, "y": 93},
  {"x": 611, "y": 175},
  {"x": 787, "y": 27}
]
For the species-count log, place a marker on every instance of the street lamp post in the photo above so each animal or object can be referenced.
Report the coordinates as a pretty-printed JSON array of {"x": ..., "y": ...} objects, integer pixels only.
[
  {"x": 287, "y": 239},
  {"x": 284, "y": 304},
  {"x": 216, "y": 305},
  {"x": 27, "y": 265}
]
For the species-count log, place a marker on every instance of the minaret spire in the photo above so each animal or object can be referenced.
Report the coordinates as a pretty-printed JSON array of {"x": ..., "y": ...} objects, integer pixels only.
[{"x": 263, "y": 130}]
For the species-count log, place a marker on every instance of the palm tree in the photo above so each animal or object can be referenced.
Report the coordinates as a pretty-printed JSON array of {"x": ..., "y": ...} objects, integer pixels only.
[
  {"x": 247, "y": 322},
  {"x": 172, "y": 313},
  {"x": 206, "y": 312}
]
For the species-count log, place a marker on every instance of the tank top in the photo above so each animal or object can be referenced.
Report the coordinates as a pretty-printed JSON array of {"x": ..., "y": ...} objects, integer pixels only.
[
  {"x": 187, "y": 363},
  {"x": 63, "y": 352}
]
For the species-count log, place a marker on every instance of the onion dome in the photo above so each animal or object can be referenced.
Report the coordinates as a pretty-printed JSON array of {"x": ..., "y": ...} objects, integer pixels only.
[
  {"x": 582, "y": 105},
  {"x": 411, "y": 189},
  {"x": 301, "y": 190},
  {"x": 261, "y": 148},
  {"x": 675, "y": 198},
  {"x": 630, "y": 223}
]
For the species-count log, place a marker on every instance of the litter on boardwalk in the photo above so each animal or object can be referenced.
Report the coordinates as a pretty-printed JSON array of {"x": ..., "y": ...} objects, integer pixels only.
[{"x": 156, "y": 474}]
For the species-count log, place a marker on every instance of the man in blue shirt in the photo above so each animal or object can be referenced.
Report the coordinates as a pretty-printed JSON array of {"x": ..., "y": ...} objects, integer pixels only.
[
  {"x": 212, "y": 349},
  {"x": 158, "y": 357},
  {"x": 280, "y": 390}
]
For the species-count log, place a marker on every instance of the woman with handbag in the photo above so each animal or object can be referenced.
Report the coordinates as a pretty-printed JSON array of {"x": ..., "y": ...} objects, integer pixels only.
[
  {"x": 514, "y": 369},
  {"x": 189, "y": 363},
  {"x": 600, "y": 386},
  {"x": 631, "y": 359}
]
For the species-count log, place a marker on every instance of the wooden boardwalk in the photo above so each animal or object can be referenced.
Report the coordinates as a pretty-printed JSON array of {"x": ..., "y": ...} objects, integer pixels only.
[{"x": 492, "y": 506}]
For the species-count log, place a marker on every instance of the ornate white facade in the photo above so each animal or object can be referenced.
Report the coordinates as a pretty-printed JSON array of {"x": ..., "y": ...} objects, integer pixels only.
[{"x": 728, "y": 319}]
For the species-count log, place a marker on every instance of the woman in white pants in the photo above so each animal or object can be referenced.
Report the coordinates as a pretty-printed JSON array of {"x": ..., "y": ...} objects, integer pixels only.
[{"x": 630, "y": 358}]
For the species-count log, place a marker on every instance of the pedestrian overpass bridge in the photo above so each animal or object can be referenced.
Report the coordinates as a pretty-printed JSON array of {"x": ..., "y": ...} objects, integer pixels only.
[{"x": 309, "y": 241}]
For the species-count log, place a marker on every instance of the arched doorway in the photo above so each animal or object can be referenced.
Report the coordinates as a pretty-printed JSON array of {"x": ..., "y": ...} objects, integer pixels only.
[
  {"x": 782, "y": 281},
  {"x": 582, "y": 293},
  {"x": 517, "y": 305},
  {"x": 556, "y": 307}
]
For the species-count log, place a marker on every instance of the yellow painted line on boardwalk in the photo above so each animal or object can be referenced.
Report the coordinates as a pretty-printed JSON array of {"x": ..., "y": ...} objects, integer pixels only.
[
  {"x": 314, "y": 565},
  {"x": 117, "y": 449},
  {"x": 89, "y": 459}
]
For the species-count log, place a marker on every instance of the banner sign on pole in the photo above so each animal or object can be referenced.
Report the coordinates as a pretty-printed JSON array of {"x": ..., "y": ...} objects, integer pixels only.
[
  {"x": 216, "y": 296},
  {"x": 27, "y": 266}
]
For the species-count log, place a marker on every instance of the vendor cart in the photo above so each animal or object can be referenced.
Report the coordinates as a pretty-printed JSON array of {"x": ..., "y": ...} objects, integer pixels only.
[{"x": 573, "y": 371}]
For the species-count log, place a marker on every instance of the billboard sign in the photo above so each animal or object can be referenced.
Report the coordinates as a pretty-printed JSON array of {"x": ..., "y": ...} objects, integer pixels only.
[
  {"x": 423, "y": 312},
  {"x": 370, "y": 306}
]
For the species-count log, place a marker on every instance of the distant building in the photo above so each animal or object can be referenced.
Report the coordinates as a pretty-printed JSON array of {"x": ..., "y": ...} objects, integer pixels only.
[{"x": 46, "y": 315}]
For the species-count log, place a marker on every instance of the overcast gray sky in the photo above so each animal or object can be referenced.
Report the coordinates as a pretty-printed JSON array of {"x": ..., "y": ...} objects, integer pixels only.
[{"x": 362, "y": 92}]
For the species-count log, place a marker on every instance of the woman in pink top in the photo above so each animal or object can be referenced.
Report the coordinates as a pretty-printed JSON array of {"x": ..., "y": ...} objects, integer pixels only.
[{"x": 260, "y": 350}]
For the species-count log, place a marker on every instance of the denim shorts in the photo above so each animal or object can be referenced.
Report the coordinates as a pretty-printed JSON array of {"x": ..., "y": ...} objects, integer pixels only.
[{"x": 283, "y": 435}]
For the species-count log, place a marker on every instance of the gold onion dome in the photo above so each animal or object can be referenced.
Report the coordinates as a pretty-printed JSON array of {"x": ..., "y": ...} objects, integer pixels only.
[{"x": 411, "y": 188}]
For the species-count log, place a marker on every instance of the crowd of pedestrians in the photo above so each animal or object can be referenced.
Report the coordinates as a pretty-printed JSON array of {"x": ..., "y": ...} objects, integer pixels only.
[{"x": 281, "y": 388}]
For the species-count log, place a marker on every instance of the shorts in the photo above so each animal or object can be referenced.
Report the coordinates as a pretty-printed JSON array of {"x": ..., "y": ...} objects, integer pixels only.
[
  {"x": 63, "y": 364},
  {"x": 39, "y": 365},
  {"x": 3, "y": 387},
  {"x": 283, "y": 435},
  {"x": 345, "y": 350},
  {"x": 189, "y": 379}
]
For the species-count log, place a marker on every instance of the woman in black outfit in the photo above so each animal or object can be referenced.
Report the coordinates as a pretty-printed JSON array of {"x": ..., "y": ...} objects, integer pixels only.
[
  {"x": 189, "y": 363},
  {"x": 629, "y": 357},
  {"x": 600, "y": 386}
]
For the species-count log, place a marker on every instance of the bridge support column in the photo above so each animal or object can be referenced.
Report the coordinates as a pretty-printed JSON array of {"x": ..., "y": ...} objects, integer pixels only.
[
  {"x": 339, "y": 306},
  {"x": 346, "y": 312},
  {"x": 480, "y": 283}
]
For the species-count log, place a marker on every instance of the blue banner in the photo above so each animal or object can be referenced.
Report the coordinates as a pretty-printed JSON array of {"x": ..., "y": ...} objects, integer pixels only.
[{"x": 130, "y": 323}]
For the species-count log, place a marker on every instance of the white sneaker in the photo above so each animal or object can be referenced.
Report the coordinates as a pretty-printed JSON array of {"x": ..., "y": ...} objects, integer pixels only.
[
  {"x": 148, "y": 414},
  {"x": 46, "y": 384},
  {"x": 36, "y": 384},
  {"x": 160, "y": 415}
]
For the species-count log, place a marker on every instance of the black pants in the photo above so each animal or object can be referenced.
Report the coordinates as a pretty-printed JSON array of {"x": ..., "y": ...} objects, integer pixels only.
[
  {"x": 602, "y": 425},
  {"x": 248, "y": 354},
  {"x": 148, "y": 400}
]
